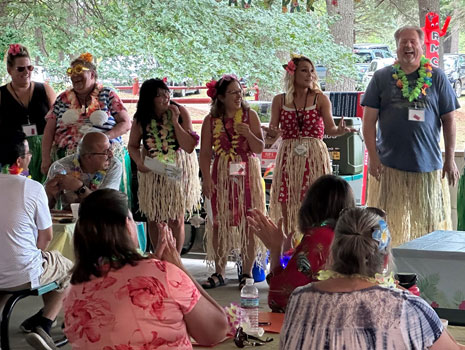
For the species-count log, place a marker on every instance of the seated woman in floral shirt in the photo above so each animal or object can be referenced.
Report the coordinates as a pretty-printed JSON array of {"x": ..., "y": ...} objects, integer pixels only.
[
  {"x": 119, "y": 299},
  {"x": 324, "y": 200}
]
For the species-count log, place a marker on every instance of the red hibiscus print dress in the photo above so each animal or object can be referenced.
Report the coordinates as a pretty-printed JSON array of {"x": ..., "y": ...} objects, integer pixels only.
[{"x": 138, "y": 307}]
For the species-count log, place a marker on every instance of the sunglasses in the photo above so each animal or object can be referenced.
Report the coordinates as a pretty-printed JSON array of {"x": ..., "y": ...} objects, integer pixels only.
[
  {"x": 22, "y": 68},
  {"x": 242, "y": 339},
  {"x": 77, "y": 69}
]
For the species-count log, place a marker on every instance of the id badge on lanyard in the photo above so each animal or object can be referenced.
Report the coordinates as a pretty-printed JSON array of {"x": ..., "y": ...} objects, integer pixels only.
[
  {"x": 30, "y": 129},
  {"x": 237, "y": 169},
  {"x": 416, "y": 114}
]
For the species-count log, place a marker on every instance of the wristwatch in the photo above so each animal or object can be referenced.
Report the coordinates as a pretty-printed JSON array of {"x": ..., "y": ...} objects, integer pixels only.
[{"x": 81, "y": 190}]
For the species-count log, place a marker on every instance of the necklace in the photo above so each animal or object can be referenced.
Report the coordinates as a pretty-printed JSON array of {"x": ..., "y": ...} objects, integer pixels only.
[
  {"x": 95, "y": 182},
  {"x": 12, "y": 170},
  {"x": 25, "y": 106},
  {"x": 83, "y": 106},
  {"x": 385, "y": 281},
  {"x": 226, "y": 146},
  {"x": 163, "y": 145},
  {"x": 300, "y": 121},
  {"x": 423, "y": 82}
]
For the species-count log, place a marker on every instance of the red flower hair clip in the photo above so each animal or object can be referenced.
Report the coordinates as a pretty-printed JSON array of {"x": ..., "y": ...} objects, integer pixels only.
[
  {"x": 14, "y": 49},
  {"x": 211, "y": 89},
  {"x": 290, "y": 67}
]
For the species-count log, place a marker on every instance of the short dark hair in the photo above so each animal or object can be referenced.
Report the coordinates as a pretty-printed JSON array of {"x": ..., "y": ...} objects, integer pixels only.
[
  {"x": 217, "y": 107},
  {"x": 101, "y": 236},
  {"x": 145, "y": 107},
  {"x": 11, "y": 146},
  {"x": 324, "y": 200}
]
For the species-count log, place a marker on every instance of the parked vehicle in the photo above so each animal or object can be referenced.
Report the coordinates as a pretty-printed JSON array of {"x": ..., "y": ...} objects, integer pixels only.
[
  {"x": 184, "y": 92},
  {"x": 321, "y": 72},
  {"x": 367, "y": 53},
  {"x": 376, "y": 64},
  {"x": 454, "y": 67}
]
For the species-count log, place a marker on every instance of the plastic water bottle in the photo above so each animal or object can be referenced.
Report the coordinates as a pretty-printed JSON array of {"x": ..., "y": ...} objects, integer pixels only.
[{"x": 249, "y": 303}]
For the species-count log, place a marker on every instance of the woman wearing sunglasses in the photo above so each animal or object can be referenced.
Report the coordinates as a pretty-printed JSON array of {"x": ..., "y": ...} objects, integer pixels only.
[
  {"x": 24, "y": 104},
  {"x": 356, "y": 305},
  {"x": 86, "y": 106}
]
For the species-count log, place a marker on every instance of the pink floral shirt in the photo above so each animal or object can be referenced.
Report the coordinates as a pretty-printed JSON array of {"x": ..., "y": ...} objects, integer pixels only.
[{"x": 134, "y": 308}]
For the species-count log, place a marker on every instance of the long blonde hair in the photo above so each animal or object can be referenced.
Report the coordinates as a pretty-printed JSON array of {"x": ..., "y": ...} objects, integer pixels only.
[{"x": 289, "y": 80}]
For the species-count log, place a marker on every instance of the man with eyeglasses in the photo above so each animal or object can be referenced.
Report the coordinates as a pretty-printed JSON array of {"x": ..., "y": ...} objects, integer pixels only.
[
  {"x": 26, "y": 231},
  {"x": 74, "y": 177}
]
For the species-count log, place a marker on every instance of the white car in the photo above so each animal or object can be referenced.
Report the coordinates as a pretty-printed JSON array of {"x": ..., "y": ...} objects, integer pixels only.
[{"x": 376, "y": 64}]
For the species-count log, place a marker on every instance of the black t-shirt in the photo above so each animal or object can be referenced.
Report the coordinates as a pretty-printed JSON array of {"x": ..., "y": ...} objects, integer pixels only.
[{"x": 13, "y": 115}]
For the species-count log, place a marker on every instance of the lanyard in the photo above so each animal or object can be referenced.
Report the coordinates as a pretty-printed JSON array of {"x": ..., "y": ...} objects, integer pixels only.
[{"x": 300, "y": 121}]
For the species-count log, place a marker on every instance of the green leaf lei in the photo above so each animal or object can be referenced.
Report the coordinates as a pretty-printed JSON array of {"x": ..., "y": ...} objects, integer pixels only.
[
  {"x": 164, "y": 138},
  {"x": 423, "y": 82}
]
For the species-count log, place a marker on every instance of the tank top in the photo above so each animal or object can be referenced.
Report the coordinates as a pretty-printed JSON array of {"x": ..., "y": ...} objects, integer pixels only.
[{"x": 13, "y": 115}]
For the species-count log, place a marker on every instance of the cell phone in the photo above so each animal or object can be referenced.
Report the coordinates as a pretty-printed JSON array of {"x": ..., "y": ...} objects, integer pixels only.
[{"x": 65, "y": 221}]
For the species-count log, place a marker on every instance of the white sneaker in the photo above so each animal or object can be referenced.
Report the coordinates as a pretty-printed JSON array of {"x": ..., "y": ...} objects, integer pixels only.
[{"x": 40, "y": 340}]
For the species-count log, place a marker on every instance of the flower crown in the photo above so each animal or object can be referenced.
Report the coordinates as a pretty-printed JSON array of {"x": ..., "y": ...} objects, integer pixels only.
[
  {"x": 382, "y": 235},
  {"x": 86, "y": 57},
  {"x": 290, "y": 66},
  {"x": 212, "y": 85},
  {"x": 14, "y": 49}
]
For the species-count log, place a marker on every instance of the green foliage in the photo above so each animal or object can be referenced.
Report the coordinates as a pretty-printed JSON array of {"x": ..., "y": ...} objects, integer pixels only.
[{"x": 183, "y": 39}]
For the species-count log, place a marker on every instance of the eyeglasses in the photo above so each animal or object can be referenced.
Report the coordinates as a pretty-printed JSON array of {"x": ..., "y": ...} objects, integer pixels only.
[
  {"x": 107, "y": 153},
  {"x": 164, "y": 94},
  {"x": 28, "y": 153},
  {"x": 242, "y": 339},
  {"x": 235, "y": 92},
  {"x": 77, "y": 69},
  {"x": 22, "y": 68}
]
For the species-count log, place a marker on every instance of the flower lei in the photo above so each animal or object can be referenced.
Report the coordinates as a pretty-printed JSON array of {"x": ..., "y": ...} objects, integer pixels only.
[
  {"x": 12, "y": 170},
  {"x": 94, "y": 104},
  {"x": 164, "y": 138},
  {"x": 423, "y": 82},
  {"x": 96, "y": 181},
  {"x": 223, "y": 146},
  {"x": 385, "y": 281}
]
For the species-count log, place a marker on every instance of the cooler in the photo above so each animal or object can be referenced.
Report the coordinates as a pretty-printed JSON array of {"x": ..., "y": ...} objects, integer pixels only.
[{"x": 346, "y": 151}]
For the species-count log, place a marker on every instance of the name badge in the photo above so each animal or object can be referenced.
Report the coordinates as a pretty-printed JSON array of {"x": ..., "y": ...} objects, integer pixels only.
[
  {"x": 30, "y": 129},
  {"x": 301, "y": 150},
  {"x": 237, "y": 169},
  {"x": 416, "y": 115}
]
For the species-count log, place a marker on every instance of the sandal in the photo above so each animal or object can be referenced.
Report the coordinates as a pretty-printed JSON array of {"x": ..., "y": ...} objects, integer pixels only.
[
  {"x": 242, "y": 279},
  {"x": 212, "y": 283}
]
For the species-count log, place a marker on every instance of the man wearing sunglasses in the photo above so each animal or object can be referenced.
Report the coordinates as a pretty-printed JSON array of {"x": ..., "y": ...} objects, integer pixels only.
[{"x": 74, "y": 177}]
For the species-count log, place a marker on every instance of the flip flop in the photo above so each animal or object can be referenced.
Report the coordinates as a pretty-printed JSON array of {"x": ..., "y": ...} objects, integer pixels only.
[
  {"x": 242, "y": 279},
  {"x": 212, "y": 283}
]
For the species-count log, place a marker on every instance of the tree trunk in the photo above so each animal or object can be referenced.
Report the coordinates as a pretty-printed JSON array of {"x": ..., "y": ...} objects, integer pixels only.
[
  {"x": 343, "y": 32},
  {"x": 451, "y": 40}
]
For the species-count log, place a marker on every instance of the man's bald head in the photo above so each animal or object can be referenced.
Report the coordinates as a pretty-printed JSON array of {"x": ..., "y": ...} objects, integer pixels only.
[{"x": 92, "y": 142}]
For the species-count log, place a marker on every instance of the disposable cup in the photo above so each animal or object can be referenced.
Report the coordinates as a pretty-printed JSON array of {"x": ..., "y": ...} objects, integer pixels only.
[{"x": 75, "y": 210}]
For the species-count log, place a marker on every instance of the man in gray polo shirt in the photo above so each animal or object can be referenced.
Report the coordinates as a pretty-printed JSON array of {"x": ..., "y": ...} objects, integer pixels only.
[{"x": 410, "y": 101}]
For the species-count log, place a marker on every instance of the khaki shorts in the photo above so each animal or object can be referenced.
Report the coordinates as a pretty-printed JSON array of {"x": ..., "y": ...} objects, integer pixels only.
[{"x": 57, "y": 268}]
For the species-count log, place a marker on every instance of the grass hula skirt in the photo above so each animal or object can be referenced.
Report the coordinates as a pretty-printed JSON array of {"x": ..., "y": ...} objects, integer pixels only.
[
  {"x": 290, "y": 168},
  {"x": 232, "y": 224},
  {"x": 415, "y": 203},
  {"x": 161, "y": 198},
  {"x": 35, "y": 147}
]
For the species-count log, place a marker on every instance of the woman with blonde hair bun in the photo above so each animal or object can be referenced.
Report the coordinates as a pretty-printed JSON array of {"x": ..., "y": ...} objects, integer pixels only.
[
  {"x": 301, "y": 115},
  {"x": 356, "y": 304}
]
